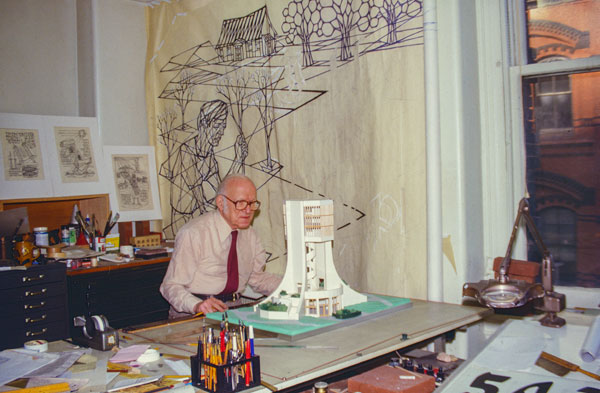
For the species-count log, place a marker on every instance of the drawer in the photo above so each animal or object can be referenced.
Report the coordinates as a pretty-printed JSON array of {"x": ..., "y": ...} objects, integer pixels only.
[
  {"x": 15, "y": 338},
  {"x": 32, "y": 292},
  {"x": 35, "y": 275},
  {"x": 26, "y": 307},
  {"x": 31, "y": 319}
]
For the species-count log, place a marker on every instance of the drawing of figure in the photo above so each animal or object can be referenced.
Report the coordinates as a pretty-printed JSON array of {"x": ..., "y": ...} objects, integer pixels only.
[
  {"x": 202, "y": 177},
  {"x": 24, "y": 158}
]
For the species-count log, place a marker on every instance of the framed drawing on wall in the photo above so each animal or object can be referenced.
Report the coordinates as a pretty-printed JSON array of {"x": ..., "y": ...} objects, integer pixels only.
[
  {"x": 76, "y": 156},
  {"x": 134, "y": 188},
  {"x": 24, "y": 162}
]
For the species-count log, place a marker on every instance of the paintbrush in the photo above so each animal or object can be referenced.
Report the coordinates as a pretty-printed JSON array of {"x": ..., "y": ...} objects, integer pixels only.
[{"x": 560, "y": 366}]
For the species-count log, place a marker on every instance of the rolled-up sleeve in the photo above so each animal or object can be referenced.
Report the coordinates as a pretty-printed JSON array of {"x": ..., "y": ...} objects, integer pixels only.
[{"x": 180, "y": 273}]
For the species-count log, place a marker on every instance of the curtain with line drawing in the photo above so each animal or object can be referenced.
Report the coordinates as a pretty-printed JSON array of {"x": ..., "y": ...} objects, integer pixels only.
[{"x": 312, "y": 99}]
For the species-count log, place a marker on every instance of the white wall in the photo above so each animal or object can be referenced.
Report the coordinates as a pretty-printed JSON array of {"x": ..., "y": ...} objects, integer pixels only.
[
  {"x": 120, "y": 31},
  {"x": 76, "y": 58},
  {"x": 38, "y": 57}
]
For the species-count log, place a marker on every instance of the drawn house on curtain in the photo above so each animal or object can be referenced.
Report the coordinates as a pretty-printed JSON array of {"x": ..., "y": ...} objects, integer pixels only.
[{"x": 248, "y": 36}]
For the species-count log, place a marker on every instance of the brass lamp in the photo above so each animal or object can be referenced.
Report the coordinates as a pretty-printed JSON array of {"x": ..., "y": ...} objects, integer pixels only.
[{"x": 506, "y": 293}]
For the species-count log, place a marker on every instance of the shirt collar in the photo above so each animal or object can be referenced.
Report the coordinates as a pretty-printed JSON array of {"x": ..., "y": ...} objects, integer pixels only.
[{"x": 223, "y": 228}]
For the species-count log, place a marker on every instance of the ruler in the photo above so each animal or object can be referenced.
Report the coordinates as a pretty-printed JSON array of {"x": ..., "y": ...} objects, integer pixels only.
[{"x": 53, "y": 388}]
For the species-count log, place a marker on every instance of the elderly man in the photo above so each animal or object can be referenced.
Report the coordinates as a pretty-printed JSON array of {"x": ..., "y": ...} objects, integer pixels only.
[{"x": 206, "y": 274}]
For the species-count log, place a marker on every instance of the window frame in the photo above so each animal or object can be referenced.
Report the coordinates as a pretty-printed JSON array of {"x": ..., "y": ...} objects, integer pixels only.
[{"x": 514, "y": 47}]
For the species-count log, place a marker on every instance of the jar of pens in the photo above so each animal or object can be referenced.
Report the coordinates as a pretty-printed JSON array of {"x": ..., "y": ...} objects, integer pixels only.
[{"x": 225, "y": 361}]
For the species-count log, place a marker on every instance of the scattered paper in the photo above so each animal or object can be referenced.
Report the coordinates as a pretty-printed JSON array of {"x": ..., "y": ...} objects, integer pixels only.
[
  {"x": 130, "y": 353},
  {"x": 74, "y": 384},
  {"x": 132, "y": 382},
  {"x": 179, "y": 366},
  {"x": 15, "y": 363}
]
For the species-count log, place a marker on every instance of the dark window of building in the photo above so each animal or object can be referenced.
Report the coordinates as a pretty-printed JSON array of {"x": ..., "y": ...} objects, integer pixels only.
[{"x": 562, "y": 136}]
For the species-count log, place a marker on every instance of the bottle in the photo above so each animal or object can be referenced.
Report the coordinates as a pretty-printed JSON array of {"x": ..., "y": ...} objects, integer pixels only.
[
  {"x": 40, "y": 235},
  {"x": 65, "y": 235}
]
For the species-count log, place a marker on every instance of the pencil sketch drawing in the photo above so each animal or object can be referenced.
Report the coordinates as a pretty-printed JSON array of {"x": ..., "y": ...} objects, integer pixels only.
[
  {"x": 75, "y": 154},
  {"x": 228, "y": 96},
  {"x": 132, "y": 181},
  {"x": 22, "y": 154}
]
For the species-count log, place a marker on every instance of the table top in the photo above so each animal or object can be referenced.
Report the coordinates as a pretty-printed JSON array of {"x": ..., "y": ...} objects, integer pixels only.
[
  {"x": 284, "y": 364},
  {"x": 508, "y": 362}
]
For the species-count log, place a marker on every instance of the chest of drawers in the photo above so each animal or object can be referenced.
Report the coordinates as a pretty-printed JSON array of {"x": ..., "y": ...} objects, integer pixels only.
[{"x": 33, "y": 305}]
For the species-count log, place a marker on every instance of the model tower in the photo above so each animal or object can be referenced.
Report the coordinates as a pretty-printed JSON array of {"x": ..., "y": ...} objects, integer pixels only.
[{"x": 310, "y": 285}]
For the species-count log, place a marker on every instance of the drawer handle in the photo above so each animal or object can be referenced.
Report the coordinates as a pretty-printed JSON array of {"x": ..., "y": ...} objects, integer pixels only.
[
  {"x": 30, "y": 334},
  {"x": 39, "y": 277},
  {"x": 34, "y": 320},
  {"x": 31, "y": 306},
  {"x": 44, "y": 290}
]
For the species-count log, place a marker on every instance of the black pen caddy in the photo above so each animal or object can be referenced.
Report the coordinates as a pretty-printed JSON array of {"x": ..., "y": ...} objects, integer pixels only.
[{"x": 217, "y": 378}]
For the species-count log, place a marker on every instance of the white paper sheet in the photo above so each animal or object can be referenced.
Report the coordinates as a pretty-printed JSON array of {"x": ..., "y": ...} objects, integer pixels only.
[{"x": 590, "y": 350}]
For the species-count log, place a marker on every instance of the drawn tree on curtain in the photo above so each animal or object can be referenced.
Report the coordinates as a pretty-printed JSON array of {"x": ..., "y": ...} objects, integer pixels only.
[
  {"x": 233, "y": 86},
  {"x": 345, "y": 16},
  {"x": 266, "y": 82},
  {"x": 394, "y": 12},
  {"x": 302, "y": 19}
]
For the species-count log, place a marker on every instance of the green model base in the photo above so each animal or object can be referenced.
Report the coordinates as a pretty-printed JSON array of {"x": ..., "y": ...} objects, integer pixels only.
[{"x": 306, "y": 326}]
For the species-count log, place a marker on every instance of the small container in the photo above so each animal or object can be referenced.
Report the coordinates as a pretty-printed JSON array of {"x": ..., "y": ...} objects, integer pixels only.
[
  {"x": 321, "y": 387},
  {"x": 40, "y": 235},
  {"x": 73, "y": 235},
  {"x": 65, "y": 235}
]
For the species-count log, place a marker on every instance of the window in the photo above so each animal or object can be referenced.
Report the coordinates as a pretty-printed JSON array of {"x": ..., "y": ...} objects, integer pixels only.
[{"x": 561, "y": 104}]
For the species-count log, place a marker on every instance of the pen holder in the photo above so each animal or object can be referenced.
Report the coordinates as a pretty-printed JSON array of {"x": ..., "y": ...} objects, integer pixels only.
[{"x": 230, "y": 377}]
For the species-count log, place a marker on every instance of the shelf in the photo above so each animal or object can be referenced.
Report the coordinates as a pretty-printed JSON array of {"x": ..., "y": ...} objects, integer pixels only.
[{"x": 57, "y": 211}]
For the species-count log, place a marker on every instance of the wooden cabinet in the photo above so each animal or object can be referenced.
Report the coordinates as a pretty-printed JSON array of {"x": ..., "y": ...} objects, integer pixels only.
[
  {"x": 33, "y": 304},
  {"x": 126, "y": 295},
  {"x": 54, "y": 212}
]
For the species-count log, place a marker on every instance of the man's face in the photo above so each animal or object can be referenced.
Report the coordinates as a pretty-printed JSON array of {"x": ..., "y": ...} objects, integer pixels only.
[{"x": 236, "y": 190}]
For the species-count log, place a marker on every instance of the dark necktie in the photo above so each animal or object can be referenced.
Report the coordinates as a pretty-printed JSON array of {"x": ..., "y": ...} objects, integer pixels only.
[{"x": 232, "y": 267}]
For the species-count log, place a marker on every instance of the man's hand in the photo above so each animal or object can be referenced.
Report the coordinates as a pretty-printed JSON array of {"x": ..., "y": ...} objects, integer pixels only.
[{"x": 210, "y": 305}]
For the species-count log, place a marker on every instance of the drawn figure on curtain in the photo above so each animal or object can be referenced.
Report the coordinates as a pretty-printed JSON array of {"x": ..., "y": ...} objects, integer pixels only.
[
  {"x": 22, "y": 154},
  {"x": 132, "y": 182},
  {"x": 75, "y": 154},
  {"x": 251, "y": 73}
]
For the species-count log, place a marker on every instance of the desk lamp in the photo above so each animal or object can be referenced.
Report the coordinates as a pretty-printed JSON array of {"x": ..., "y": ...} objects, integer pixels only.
[{"x": 506, "y": 293}]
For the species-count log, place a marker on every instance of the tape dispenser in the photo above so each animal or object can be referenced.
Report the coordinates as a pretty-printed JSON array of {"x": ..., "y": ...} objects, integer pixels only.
[{"x": 95, "y": 332}]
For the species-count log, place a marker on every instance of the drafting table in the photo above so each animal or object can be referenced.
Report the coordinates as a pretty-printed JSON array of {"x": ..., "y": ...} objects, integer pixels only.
[
  {"x": 290, "y": 367},
  {"x": 286, "y": 367}
]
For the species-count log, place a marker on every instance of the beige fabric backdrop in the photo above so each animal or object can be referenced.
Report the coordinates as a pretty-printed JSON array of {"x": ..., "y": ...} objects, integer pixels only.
[{"x": 347, "y": 126}]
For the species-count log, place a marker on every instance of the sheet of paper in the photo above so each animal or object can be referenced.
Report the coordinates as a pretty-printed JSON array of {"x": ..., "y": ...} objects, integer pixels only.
[
  {"x": 179, "y": 366},
  {"x": 132, "y": 382},
  {"x": 129, "y": 354},
  {"x": 15, "y": 363},
  {"x": 60, "y": 365},
  {"x": 74, "y": 384}
]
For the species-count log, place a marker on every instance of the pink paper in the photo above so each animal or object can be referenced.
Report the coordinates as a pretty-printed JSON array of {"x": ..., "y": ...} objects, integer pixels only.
[{"x": 130, "y": 353}]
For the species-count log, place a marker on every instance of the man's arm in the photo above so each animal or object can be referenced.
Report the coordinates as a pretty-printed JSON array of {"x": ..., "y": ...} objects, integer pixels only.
[{"x": 180, "y": 274}]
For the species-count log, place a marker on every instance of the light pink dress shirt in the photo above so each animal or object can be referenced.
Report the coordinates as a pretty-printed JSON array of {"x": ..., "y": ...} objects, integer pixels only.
[{"x": 199, "y": 263}]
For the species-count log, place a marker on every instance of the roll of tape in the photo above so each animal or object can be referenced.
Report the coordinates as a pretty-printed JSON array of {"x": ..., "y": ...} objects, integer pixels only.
[
  {"x": 37, "y": 345},
  {"x": 99, "y": 322},
  {"x": 151, "y": 355}
]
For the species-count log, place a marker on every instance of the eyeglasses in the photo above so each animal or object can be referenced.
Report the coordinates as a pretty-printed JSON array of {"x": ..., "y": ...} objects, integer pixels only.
[{"x": 242, "y": 204}]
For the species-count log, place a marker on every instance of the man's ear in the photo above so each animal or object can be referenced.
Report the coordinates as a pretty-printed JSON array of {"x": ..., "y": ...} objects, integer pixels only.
[{"x": 219, "y": 202}]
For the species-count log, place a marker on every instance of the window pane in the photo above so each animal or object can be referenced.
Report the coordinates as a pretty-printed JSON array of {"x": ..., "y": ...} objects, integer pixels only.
[
  {"x": 562, "y": 141},
  {"x": 562, "y": 29}
]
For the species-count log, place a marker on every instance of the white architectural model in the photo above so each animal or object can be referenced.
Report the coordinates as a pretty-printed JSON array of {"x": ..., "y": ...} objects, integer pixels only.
[{"x": 311, "y": 285}]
